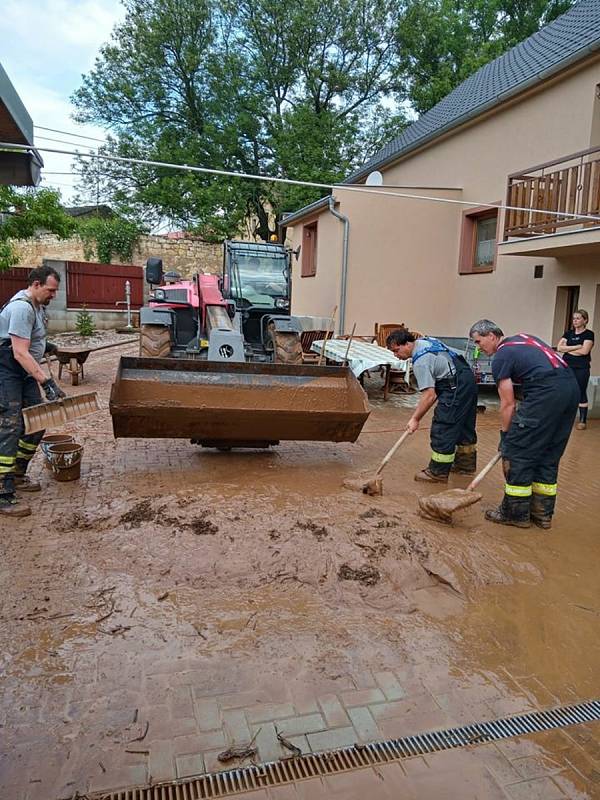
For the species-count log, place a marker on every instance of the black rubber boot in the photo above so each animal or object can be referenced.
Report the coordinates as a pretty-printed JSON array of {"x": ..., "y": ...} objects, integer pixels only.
[
  {"x": 11, "y": 506},
  {"x": 542, "y": 510},
  {"x": 25, "y": 484},
  {"x": 435, "y": 472},
  {"x": 427, "y": 476},
  {"x": 465, "y": 460},
  {"x": 511, "y": 511}
]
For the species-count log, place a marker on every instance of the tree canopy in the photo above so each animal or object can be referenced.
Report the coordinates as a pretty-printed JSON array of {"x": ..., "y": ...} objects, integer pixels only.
[
  {"x": 290, "y": 88},
  {"x": 23, "y": 213}
]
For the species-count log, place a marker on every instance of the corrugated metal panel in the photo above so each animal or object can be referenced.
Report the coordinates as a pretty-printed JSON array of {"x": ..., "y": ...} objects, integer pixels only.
[{"x": 100, "y": 286}]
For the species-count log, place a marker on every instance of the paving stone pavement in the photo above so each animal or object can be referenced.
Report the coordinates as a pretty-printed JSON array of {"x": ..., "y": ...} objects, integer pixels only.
[{"x": 104, "y": 717}]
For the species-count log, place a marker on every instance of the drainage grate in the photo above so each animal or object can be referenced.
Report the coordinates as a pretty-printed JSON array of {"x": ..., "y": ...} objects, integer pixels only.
[{"x": 289, "y": 770}]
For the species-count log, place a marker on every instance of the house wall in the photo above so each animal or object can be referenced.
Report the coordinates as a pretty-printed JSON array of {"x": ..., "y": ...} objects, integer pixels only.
[
  {"x": 403, "y": 264},
  {"x": 318, "y": 295}
]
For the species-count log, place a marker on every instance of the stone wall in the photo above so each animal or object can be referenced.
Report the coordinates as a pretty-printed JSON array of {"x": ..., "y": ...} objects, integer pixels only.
[{"x": 187, "y": 256}]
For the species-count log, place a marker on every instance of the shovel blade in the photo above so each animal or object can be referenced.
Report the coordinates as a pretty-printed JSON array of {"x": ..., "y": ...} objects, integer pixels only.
[
  {"x": 58, "y": 412},
  {"x": 441, "y": 506}
]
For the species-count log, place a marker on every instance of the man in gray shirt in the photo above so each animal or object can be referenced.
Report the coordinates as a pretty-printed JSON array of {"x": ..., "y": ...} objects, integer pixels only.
[
  {"x": 23, "y": 344},
  {"x": 444, "y": 376}
]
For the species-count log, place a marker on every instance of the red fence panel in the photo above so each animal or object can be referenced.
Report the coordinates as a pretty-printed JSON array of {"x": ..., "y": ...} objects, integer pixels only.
[
  {"x": 11, "y": 280},
  {"x": 100, "y": 286}
]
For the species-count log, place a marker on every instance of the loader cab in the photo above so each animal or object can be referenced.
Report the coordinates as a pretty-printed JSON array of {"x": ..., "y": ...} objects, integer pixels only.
[{"x": 257, "y": 278}]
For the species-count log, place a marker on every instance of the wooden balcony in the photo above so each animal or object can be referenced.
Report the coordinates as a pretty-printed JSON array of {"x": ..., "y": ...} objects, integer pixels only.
[{"x": 570, "y": 185}]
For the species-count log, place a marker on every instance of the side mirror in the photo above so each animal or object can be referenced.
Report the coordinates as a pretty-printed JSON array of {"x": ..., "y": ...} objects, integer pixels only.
[
  {"x": 296, "y": 252},
  {"x": 154, "y": 271}
]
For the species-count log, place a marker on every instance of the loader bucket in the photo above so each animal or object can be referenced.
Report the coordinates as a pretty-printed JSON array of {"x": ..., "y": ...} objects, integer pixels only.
[{"x": 235, "y": 404}]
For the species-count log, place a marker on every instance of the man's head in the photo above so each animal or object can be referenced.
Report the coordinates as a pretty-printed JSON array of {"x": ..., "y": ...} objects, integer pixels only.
[
  {"x": 401, "y": 343},
  {"x": 486, "y": 335},
  {"x": 43, "y": 284}
]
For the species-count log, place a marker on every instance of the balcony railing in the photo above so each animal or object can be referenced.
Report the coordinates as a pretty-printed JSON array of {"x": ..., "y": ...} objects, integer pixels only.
[{"x": 569, "y": 185}]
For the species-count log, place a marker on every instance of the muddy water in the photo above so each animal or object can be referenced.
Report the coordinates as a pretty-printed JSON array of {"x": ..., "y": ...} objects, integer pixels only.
[{"x": 258, "y": 571}]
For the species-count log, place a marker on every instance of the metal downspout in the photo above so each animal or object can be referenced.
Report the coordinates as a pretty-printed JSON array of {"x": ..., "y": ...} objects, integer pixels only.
[{"x": 344, "y": 280}]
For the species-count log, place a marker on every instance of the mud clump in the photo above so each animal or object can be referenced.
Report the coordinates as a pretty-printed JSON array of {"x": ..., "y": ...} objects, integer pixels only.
[
  {"x": 203, "y": 527},
  {"x": 140, "y": 513},
  {"x": 320, "y": 532},
  {"x": 367, "y": 575},
  {"x": 372, "y": 512}
]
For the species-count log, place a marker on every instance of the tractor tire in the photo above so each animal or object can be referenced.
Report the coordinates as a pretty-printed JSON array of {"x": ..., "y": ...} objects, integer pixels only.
[
  {"x": 155, "y": 341},
  {"x": 287, "y": 348}
]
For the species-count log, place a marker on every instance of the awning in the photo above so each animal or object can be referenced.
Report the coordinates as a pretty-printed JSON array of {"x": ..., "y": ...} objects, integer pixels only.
[
  {"x": 17, "y": 168},
  {"x": 20, "y": 169}
]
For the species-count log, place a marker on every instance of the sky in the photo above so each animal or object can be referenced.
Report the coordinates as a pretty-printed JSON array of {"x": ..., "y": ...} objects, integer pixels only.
[{"x": 45, "y": 48}]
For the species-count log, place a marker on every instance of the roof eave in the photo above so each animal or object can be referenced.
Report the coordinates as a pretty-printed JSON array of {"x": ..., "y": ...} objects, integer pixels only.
[
  {"x": 502, "y": 97},
  {"x": 313, "y": 208}
]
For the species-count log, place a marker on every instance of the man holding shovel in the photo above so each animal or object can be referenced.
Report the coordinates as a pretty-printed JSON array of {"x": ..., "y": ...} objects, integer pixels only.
[
  {"x": 445, "y": 376},
  {"x": 23, "y": 344},
  {"x": 534, "y": 436}
]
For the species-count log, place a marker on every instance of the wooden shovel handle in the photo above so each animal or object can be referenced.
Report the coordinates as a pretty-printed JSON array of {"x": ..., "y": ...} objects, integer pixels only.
[
  {"x": 330, "y": 326},
  {"x": 488, "y": 467},
  {"x": 391, "y": 452}
]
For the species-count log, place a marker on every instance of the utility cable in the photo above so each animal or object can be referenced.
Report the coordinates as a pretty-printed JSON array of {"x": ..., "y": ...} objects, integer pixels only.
[
  {"x": 68, "y": 133},
  {"x": 292, "y": 182}
]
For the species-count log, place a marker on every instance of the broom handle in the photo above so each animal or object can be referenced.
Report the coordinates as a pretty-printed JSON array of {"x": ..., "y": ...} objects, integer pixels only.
[
  {"x": 488, "y": 467},
  {"x": 345, "y": 361},
  {"x": 330, "y": 325},
  {"x": 391, "y": 452}
]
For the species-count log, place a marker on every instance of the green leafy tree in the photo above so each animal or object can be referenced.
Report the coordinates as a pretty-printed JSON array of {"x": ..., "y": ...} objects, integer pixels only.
[
  {"x": 25, "y": 213},
  {"x": 105, "y": 238},
  {"x": 285, "y": 88},
  {"x": 442, "y": 42}
]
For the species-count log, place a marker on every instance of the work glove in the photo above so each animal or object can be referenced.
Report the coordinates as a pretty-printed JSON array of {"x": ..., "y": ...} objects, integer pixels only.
[
  {"x": 501, "y": 442},
  {"x": 51, "y": 349},
  {"x": 52, "y": 390}
]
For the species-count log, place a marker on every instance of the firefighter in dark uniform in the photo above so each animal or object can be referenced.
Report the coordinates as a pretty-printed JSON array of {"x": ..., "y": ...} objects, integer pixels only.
[
  {"x": 23, "y": 344},
  {"x": 444, "y": 376},
  {"x": 534, "y": 436}
]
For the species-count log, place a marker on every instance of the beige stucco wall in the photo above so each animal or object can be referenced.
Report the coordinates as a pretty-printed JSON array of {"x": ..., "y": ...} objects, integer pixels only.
[
  {"x": 317, "y": 296},
  {"x": 184, "y": 255},
  {"x": 403, "y": 264}
]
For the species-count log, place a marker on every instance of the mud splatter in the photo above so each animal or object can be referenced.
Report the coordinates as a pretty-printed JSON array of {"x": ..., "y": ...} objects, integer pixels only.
[
  {"x": 140, "y": 513},
  {"x": 367, "y": 574},
  {"x": 202, "y": 527},
  {"x": 318, "y": 531}
]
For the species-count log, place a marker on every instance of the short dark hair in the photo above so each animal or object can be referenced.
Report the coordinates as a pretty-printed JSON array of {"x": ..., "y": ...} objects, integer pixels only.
[
  {"x": 42, "y": 274},
  {"x": 400, "y": 337}
]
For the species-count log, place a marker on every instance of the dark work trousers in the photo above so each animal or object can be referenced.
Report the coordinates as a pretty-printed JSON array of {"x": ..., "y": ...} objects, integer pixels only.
[
  {"x": 453, "y": 433},
  {"x": 18, "y": 390},
  {"x": 536, "y": 440},
  {"x": 582, "y": 376}
]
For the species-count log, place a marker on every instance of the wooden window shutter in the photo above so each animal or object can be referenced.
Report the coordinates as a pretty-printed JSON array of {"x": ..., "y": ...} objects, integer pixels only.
[{"x": 309, "y": 250}]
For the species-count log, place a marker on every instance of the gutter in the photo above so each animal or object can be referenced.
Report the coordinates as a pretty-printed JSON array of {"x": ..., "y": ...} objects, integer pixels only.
[
  {"x": 344, "y": 279},
  {"x": 476, "y": 112}
]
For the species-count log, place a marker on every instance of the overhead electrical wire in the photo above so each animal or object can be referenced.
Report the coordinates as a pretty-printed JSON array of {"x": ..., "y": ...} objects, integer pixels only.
[
  {"x": 289, "y": 181},
  {"x": 68, "y": 133}
]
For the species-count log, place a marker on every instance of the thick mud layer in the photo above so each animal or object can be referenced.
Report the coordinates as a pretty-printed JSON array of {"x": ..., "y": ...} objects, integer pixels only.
[{"x": 171, "y": 578}]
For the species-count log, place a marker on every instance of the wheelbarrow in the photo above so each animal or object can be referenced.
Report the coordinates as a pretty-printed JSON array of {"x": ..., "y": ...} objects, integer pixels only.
[{"x": 73, "y": 358}]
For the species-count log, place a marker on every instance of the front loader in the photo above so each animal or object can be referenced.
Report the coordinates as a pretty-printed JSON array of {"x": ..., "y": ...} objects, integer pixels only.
[
  {"x": 247, "y": 307},
  {"x": 221, "y": 362}
]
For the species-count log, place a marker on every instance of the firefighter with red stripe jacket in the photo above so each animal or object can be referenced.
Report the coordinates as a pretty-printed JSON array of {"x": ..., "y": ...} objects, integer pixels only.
[{"x": 533, "y": 436}]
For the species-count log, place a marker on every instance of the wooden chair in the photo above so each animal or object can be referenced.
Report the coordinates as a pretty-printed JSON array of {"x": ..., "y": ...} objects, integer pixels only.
[
  {"x": 307, "y": 338},
  {"x": 395, "y": 381}
]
